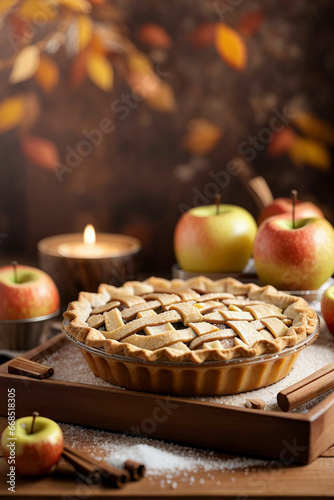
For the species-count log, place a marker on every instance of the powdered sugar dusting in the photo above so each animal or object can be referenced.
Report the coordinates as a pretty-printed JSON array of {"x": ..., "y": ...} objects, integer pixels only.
[{"x": 160, "y": 458}]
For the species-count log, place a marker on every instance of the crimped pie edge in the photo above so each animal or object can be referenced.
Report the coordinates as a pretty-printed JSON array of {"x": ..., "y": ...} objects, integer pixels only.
[{"x": 304, "y": 320}]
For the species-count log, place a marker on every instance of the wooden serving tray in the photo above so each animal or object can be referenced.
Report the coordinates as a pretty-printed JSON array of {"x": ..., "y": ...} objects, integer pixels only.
[{"x": 288, "y": 437}]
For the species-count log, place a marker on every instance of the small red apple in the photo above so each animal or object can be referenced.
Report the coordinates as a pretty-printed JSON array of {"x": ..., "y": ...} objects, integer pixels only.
[
  {"x": 26, "y": 292},
  {"x": 327, "y": 308},
  {"x": 304, "y": 209},
  {"x": 300, "y": 258},
  {"x": 32, "y": 453}
]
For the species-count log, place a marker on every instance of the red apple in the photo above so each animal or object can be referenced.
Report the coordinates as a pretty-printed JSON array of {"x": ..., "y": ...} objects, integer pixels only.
[
  {"x": 294, "y": 259},
  {"x": 32, "y": 454},
  {"x": 207, "y": 241},
  {"x": 304, "y": 209},
  {"x": 327, "y": 308},
  {"x": 31, "y": 294}
]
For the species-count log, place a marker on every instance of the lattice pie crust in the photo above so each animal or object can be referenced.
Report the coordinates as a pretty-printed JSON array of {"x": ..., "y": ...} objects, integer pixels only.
[{"x": 189, "y": 321}]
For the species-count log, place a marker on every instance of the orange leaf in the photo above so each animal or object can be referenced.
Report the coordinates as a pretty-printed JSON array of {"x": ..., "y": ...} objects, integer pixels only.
[
  {"x": 25, "y": 64},
  {"x": 33, "y": 10},
  {"x": 311, "y": 152},
  {"x": 203, "y": 35},
  {"x": 11, "y": 113},
  {"x": 6, "y": 5},
  {"x": 313, "y": 126},
  {"x": 155, "y": 36},
  {"x": 77, "y": 5},
  {"x": 230, "y": 46},
  {"x": 281, "y": 142},
  {"x": 202, "y": 137},
  {"x": 47, "y": 75},
  {"x": 84, "y": 31},
  {"x": 140, "y": 63},
  {"x": 100, "y": 71},
  {"x": 251, "y": 23},
  {"x": 162, "y": 99},
  {"x": 40, "y": 151},
  {"x": 143, "y": 84}
]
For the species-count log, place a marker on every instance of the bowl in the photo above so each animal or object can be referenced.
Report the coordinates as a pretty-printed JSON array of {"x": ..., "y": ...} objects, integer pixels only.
[
  {"x": 24, "y": 334},
  {"x": 210, "y": 378}
]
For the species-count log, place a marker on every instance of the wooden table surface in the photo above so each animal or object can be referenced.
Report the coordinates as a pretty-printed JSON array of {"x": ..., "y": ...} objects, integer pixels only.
[{"x": 275, "y": 481}]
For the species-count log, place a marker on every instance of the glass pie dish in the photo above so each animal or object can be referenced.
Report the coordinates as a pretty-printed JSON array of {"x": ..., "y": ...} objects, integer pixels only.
[{"x": 209, "y": 378}]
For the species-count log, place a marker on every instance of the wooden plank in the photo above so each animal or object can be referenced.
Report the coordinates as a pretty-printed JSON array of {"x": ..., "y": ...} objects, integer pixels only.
[
  {"x": 322, "y": 426},
  {"x": 237, "y": 430},
  {"x": 275, "y": 481}
]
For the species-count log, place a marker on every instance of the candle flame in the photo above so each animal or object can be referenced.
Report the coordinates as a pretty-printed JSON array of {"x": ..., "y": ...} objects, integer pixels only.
[{"x": 89, "y": 236}]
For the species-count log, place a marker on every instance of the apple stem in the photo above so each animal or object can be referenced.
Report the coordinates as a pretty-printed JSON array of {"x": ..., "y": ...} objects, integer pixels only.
[
  {"x": 34, "y": 415},
  {"x": 14, "y": 264},
  {"x": 217, "y": 202},
  {"x": 294, "y": 194}
]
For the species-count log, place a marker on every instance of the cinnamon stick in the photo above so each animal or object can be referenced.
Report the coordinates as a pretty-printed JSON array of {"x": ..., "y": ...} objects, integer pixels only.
[
  {"x": 85, "y": 468},
  {"x": 307, "y": 389},
  {"x": 108, "y": 474},
  {"x": 36, "y": 365},
  {"x": 136, "y": 470},
  {"x": 28, "y": 368}
]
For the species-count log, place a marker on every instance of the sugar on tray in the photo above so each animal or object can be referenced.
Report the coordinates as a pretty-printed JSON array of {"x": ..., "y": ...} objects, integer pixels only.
[{"x": 177, "y": 459}]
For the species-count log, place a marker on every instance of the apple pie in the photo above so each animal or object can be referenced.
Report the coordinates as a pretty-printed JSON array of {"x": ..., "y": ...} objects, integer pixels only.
[{"x": 195, "y": 321}]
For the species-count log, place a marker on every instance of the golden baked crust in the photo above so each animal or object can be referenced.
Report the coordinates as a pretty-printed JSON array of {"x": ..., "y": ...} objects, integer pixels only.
[{"x": 189, "y": 321}]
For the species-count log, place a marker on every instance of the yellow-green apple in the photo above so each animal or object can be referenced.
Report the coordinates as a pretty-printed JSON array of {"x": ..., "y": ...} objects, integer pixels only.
[
  {"x": 327, "y": 308},
  {"x": 32, "y": 454},
  {"x": 26, "y": 292},
  {"x": 304, "y": 209},
  {"x": 300, "y": 258},
  {"x": 214, "y": 238}
]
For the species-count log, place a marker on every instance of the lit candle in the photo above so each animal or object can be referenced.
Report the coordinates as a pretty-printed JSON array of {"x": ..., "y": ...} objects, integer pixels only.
[
  {"x": 81, "y": 261},
  {"x": 90, "y": 248}
]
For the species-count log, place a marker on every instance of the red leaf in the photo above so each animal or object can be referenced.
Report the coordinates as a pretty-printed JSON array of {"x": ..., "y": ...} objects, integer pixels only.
[
  {"x": 40, "y": 151},
  {"x": 78, "y": 70},
  {"x": 155, "y": 36},
  {"x": 203, "y": 35},
  {"x": 251, "y": 23},
  {"x": 282, "y": 142}
]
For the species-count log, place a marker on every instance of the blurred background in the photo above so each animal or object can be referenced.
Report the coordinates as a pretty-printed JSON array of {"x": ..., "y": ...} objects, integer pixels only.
[{"x": 125, "y": 114}]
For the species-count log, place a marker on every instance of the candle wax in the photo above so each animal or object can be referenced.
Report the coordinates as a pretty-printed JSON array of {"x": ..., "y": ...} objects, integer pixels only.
[{"x": 83, "y": 250}]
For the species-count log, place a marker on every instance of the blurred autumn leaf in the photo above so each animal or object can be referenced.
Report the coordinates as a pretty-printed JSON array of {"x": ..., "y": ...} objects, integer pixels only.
[
  {"x": 31, "y": 10},
  {"x": 154, "y": 35},
  {"x": 202, "y": 137},
  {"x": 230, "y": 46},
  {"x": 78, "y": 70},
  {"x": 314, "y": 127},
  {"x": 11, "y": 113},
  {"x": 162, "y": 99},
  {"x": 251, "y": 23},
  {"x": 32, "y": 112},
  {"x": 25, "y": 64},
  {"x": 6, "y": 5},
  {"x": 84, "y": 31},
  {"x": 40, "y": 151},
  {"x": 203, "y": 35},
  {"x": 282, "y": 142},
  {"x": 100, "y": 71},
  {"x": 47, "y": 74},
  {"x": 77, "y": 5},
  {"x": 310, "y": 152}
]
